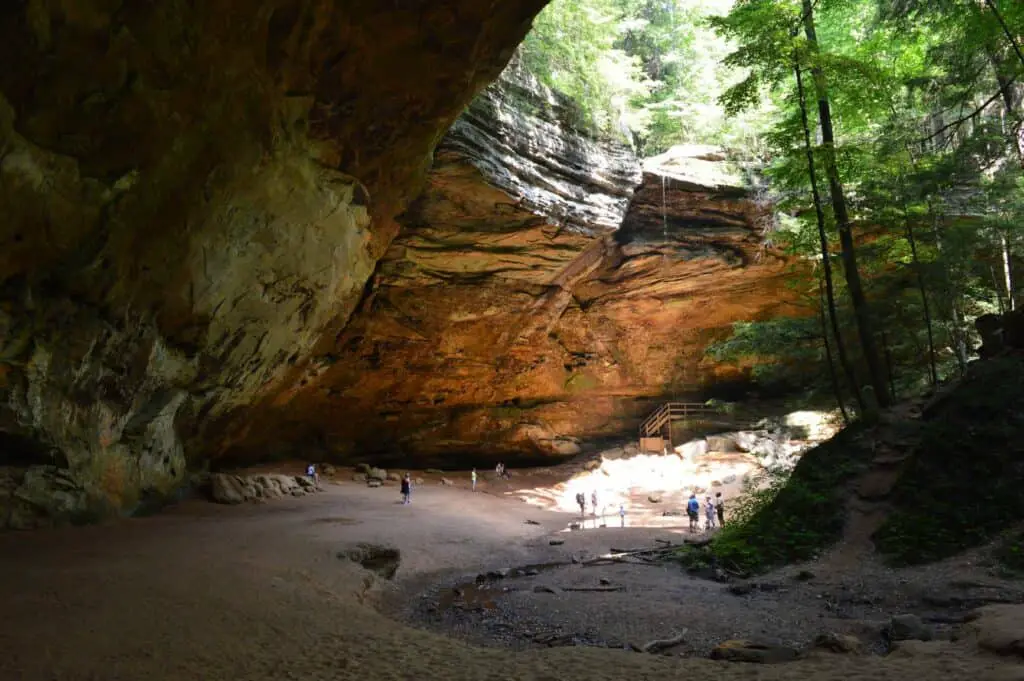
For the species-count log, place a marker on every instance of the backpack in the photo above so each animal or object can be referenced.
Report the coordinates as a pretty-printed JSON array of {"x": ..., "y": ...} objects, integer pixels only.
[{"x": 693, "y": 506}]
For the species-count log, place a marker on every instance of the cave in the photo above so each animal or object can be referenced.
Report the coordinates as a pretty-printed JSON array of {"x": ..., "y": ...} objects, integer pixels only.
[
  {"x": 263, "y": 249},
  {"x": 316, "y": 259}
]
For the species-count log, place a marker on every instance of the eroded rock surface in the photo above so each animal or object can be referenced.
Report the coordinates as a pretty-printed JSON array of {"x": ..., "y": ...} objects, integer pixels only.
[
  {"x": 194, "y": 195},
  {"x": 511, "y": 316}
]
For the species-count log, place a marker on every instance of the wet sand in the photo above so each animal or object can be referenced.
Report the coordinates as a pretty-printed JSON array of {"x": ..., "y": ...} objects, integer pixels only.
[{"x": 256, "y": 593}]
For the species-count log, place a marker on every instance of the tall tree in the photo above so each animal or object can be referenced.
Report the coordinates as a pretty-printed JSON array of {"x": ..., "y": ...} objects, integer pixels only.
[{"x": 842, "y": 216}]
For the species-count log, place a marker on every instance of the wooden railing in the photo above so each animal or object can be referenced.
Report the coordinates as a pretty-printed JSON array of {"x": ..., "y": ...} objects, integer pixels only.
[{"x": 655, "y": 424}]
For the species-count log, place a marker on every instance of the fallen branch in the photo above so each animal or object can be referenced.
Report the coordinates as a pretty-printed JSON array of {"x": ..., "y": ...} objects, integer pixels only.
[
  {"x": 625, "y": 560},
  {"x": 641, "y": 552},
  {"x": 660, "y": 644}
]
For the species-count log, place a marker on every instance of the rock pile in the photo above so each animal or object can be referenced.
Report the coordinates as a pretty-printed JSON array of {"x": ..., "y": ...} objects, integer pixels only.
[{"x": 236, "y": 489}]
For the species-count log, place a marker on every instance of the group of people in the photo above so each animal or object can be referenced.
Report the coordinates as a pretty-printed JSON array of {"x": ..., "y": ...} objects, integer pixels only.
[
  {"x": 581, "y": 501},
  {"x": 714, "y": 509}
]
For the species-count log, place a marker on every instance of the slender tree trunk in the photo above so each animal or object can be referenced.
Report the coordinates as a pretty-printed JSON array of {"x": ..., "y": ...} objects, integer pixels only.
[
  {"x": 826, "y": 257},
  {"x": 836, "y": 388},
  {"x": 853, "y": 281},
  {"x": 1006, "y": 30},
  {"x": 1011, "y": 293},
  {"x": 925, "y": 308},
  {"x": 999, "y": 290},
  {"x": 955, "y": 333}
]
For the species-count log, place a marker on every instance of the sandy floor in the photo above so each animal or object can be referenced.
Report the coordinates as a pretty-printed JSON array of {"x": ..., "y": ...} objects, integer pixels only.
[{"x": 257, "y": 592}]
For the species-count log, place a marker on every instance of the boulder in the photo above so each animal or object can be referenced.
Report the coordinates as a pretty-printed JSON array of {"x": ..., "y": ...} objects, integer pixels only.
[
  {"x": 692, "y": 449},
  {"x": 328, "y": 469},
  {"x": 654, "y": 498},
  {"x": 374, "y": 482},
  {"x": 377, "y": 474},
  {"x": 446, "y": 482},
  {"x": 720, "y": 443},
  {"x": 226, "y": 488},
  {"x": 839, "y": 643},
  {"x": 359, "y": 477},
  {"x": 394, "y": 477},
  {"x": 41, "y": 496},
  {"x": 998, "y": 629},
  {"x": 760, "y": 652},
  {"x": 908, "y": 628}
]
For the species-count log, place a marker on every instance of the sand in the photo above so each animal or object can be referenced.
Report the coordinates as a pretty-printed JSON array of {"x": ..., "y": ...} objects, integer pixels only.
[{"x": 257, "y": 593}]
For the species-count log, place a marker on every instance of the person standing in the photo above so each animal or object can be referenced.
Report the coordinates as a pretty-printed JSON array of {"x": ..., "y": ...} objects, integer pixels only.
[
  {"x": 472, "y": 477},
  {"x": 406, "y": 490},
  {"x": 720, "y": 508},
  {"x": 693, "y": 512},
  {"x": 593, "y": 502},
  {"x": 709, "y": 513},
  {"x": 581, "y": 500},
  {"x": 622, "y": 515}
]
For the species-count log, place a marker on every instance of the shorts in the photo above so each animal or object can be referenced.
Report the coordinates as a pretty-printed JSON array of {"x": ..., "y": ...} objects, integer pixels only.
[{"x": 694, "y": 516}]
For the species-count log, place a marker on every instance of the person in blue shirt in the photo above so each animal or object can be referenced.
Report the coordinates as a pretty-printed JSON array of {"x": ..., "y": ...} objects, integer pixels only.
[{"x": 693, "y": 512}]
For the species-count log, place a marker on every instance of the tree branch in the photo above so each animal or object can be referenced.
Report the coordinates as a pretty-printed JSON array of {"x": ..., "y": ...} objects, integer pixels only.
[{"x": 974, "y": 114}]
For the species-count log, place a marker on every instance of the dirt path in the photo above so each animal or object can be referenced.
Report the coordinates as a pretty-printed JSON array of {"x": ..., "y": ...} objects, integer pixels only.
[{"x": 258, "y": 593}]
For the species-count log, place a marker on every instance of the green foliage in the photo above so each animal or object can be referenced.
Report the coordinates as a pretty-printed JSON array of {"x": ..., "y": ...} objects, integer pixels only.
[
  {"x": 962, "y": 489},
  {"x": 647, "y": 69}
]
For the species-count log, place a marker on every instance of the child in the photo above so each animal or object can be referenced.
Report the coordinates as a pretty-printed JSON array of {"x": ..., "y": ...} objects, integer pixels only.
[
  {"x": 312, "y": 474},
  {"x": 720, "y": 508},
  {"x": 406, "y": 490},
  {"x": 473, "y": 478},
  {"x": 693, "y": 512},
  {"x": 709, "y": 513}
]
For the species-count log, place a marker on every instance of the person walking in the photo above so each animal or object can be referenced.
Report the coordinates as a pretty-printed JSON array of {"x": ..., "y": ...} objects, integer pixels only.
[
  {"x": 406, "y": 490},
  {"x": 709, "y": 514},
  {"x": 693, "y": 512},
  {"x": 593, "y": 502},
  {"x": 622, "y": 515},
  {"x": 581, "y": 500},
  {"x": 720, "y": 508},
  {"x": 472, "y": 477}
]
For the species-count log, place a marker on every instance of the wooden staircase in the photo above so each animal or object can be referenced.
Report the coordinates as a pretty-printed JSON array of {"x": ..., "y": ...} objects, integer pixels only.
[{"x": 656, "y": 430}]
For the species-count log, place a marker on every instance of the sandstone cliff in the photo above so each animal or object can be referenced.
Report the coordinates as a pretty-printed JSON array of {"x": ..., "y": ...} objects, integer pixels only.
[
  {"x": 194, "y": 195},
  {"x": 542, "y": 288}
]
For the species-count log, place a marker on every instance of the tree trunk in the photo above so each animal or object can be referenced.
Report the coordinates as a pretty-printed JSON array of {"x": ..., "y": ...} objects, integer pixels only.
[
  {"x": 836, "y": 388},
  {"x": 926, "y": 310},
  {"x": 826, "y": 257},
  {"x": 955, "y": 332},
  {"x": 1011, "y": 293},
  {"x": 1006, "y": 30},
  {"x": 853, "y": 281}
]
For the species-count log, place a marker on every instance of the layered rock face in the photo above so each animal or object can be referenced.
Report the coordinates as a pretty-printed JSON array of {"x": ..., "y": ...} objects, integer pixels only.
[
  {"x": 194, "y": 195},
  {"x": 544, "y": 287}
]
